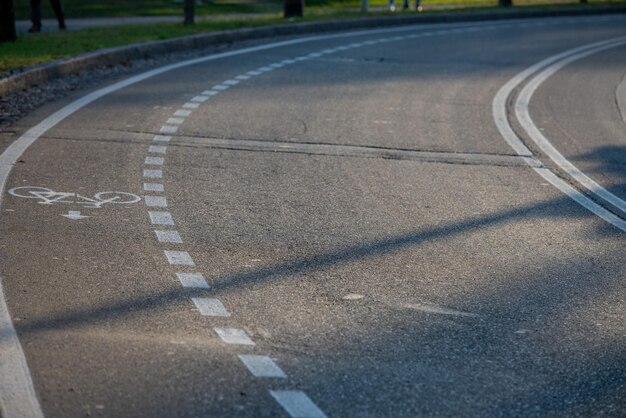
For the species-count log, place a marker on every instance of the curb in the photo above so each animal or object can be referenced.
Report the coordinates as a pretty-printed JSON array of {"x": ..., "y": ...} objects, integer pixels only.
[{"x": 112, "y": 56}]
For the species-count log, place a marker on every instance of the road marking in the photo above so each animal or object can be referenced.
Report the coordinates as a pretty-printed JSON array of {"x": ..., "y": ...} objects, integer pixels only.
[
  {"x": 171, "y": 237},
  {"x": 48, "y": 196},
  {"x": 190, "y": 105},
  {"x": 75, "y": 215},
  {"x": 262, "y": 366},
  {"x": 175, "y": 121},
  {"x": 157, "y": 149},
  {"x": 195, "y": 280},
  {"x": 254, "y": 73},
  {"x": 264, "y": 69},
  {"x": 154, "y": 160},
  {"x": 166, "y": 129},
  {"x": 161, "y": 218},
  {"x": 153, "y": 187},
  {"x": 200, "y": 99},
  {"x": 210, "y": 307},
  {"x": 234, "y": 336},
  {"x": 297, "y": 404},
  {"x": 152, "y": 174},
  {"x": 220, "y": 87},
  {"x": 232, "y": 82},
  {"x": 155, "y": 201},
  {"x": 276, "y": 65},
  {"x": 182, "y": 112},
  {"x": 181, "y": 258},
  {"x": 243, "y": 77},
  {"x": 499, "y": 112},
  {"x": 210, "y": 92},
  {"x": 523, "y": 115},
  {"x": 162, "y": 138},
  {"x": 17, "y": 398}
]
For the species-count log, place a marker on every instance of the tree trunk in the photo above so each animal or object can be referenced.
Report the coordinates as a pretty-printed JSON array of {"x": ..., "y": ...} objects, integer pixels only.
[
  {"x": 189, "y": 12},
  {"x": 293, "y": 8},
  {"x": 7, "y": 21}
]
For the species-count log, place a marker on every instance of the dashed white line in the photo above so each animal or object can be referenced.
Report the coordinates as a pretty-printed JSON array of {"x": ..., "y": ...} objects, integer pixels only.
[
  {"x": 243, "y": 77},
  {"x": 155, "y": 201},
  {"x": 175, "y": 121},
  {"x": 233, "y": 82},
  {"x": 195, "y": 280},
  {"x": 220, "y": 87},
  {"x": 162, "y": 138},
  {"x": 161, "y": 218},
  {"x": 234, "y": 336},
  {"x": 210, "y": 92},
  {"x": 297, "y": 404},
  {"x": 254, "y": 73},
  {"x": 190, "y": 105},
  {"x": 210, "y": 307},
  {"x": 200, "y": 99},
  {"x": 182, "y": 113},
  {"x": 157, "y": 149},
  {"x": 153, "y": 187},
  {"x": 154, "y": 160},
  {"x": 181, "y": 258},
  {"x": 169, "y": 237},
  {"x": 152, "y": 174},
  {"x": 262, "y": 366},
  {"x": 166, "y": 129}
]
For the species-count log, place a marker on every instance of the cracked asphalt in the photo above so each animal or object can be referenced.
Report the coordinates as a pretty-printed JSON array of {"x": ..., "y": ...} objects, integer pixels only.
[{"x": 356, "y": 214}]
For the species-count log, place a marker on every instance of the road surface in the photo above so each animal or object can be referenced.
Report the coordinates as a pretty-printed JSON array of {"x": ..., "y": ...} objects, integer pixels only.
[{"x": 363, "y": 224}]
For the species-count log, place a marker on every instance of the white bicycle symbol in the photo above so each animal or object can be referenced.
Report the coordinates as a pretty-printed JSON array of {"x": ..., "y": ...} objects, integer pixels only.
[{"x": 49, "y": 196}]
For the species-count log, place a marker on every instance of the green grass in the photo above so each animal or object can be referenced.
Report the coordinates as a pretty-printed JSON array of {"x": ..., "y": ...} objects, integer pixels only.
[{"x": 30, "y": 50}]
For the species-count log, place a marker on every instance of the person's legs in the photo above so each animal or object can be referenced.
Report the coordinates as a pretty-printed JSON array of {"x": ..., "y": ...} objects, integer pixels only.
[
  {"x": 391, "y": 6},
  {"x": 35, "y": 16},
  {"x": 58, "y": 12}
]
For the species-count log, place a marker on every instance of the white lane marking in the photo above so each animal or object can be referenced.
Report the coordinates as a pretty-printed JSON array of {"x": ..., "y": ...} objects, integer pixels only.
[
  {"x": 264, "y": 69},
  {"x": 297, "y": 404},
  {"x": 152, "y": 174},
  {"x": 195, "y": 280},
  {"x": 502, "y": 123},
  {"x": 288, "y": 61},
  {"x": 262, "y": 366},
  {"x": 276, "y": 65},
  {"x": 523, "y": 115},
  {"x": 162, "y": 138},
  {"x": 153, "y": 187},
  {"x": 166, "y": 129},
  {"x": 14, "y": 374},
  {"x": 181, "y": 258},
  {"x": 157, "y": 149},
  {"x": 210, "y": 92},
  {"x": 161, "y": 218},
  {"x": 210, "y": 307},
  {"x": 233, "y": 82},
  {"x": 168, "y": 237},
  {"x": 234, "y": 336},
  {"x": 314, "y": 55},
  {"x": 253, "y": 73},
  {"x": 243, "y": 77},
  {"x": 155, "y": 201},
  {"x": 190, "y": 105},
  {"x": 175, "y": 121},
  {"x": 154, "y": 160},
  {"x": 200, "y": 99},
  {"x": 220, "y": 87},
  {"x": 182, "y": 112},
  {"x": 75, "y": 215}
]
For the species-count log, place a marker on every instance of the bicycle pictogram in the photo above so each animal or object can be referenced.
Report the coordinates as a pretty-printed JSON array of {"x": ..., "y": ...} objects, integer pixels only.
[{"x": 47, "y": 196}]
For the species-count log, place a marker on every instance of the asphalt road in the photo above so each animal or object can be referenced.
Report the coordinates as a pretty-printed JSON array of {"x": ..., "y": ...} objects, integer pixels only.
[{"x": 356, "y": 214}]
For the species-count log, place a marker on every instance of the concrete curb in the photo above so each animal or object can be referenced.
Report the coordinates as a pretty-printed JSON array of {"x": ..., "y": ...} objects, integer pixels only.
[{"x": 113, "y": 56}]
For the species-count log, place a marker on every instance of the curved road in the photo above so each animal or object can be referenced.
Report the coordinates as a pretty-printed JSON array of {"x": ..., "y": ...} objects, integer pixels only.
[{"x": 328, "y": 226}]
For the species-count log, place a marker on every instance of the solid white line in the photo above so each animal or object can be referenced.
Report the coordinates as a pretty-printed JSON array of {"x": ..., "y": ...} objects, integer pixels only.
[
  {"x": 154, "y": 160},
  {"x": 195, "y": 280},
  {"x": 182, "y": 112},
  {"x": 162, "y": 138},
  {"x": 234, "y": 336},
  {"x": 210, "y": 307},
  {"x": 153, "y": 187},
  {"x": 523, "y": 115},
  {"x": 157, "y": 149},
  {"x": 161, "y": 218},
  {"x": 152, "y": 174},
  {"x": 169, "y": 237},
  {"x": 181, "y": 258},
  {"x": 502, "y": 123},
  {"x": 17, "y": 379},
  {"x": 297, "y": 404},
  {"x": 262, "y": 366},
  {"x": 155, "y": 201},
  {"x": 166, "y": 129},
  {"x": 175, "y": 121}
]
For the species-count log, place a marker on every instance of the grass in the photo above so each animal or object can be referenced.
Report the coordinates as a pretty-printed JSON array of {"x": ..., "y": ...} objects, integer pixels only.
[{"x": 39, "y": 48}]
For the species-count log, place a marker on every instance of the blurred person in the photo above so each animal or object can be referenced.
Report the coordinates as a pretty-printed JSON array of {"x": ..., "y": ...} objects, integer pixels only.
[
  {"x": 35, "y": 14},
  {"x": 392, "y": 6}
]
